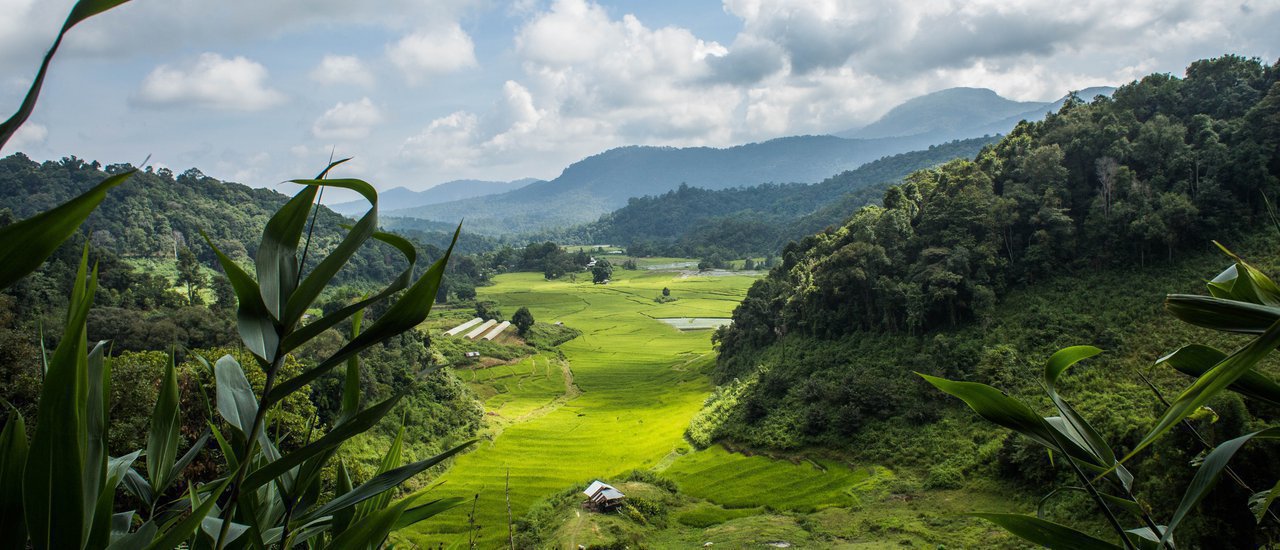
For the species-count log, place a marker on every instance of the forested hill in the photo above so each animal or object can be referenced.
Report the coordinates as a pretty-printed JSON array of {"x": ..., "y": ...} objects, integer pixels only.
[
  {"x": 1068, "y": 231},
  {"x": 756, "y": 220},
  {"x": 155, "y": 214},
  {"x": 1164, "y": 166},
  {"x": 602, "y": 183}
]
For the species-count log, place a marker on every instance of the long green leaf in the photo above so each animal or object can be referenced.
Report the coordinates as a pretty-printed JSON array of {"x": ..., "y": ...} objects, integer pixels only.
[
  {"x": 341, "y": 517},
  {"x": 1209, "y": 472},
  {"x": 314, "y": 283},
  {"x": 372, "y": 530},
  {"x": 162, "y": 440},
  {"x": 362, "y": 422},
  {"x": 411, "y": 309},
  {"x": 1243, "y": 282},
  {"x": 379, "y": 484},
  {"x": 13, "y": 458},
  {"x": 390, "y": 461},
  {"x": 182, "y": 530},
  {"x": 995, "y": 406},
  {"x": 137, "y": 540},
  {"x": 98, "y": 387},
  {"x": 54, "y": 484},
  {"x": 236, "y": 402},
  {"x": 1222, "y": 314},
  {"x": 424, "y": 511},
  {"x": 1261, "y": 501},
  {"x": 1046, "y": 533},
  {"x": 26, "y": 244},
  {"x": 277, "y": 259},
  {"x": 83, "y": 9},
  {"x": 101, "y": 533},
  {"x": 1212, "y": 383},
  {"x": 1076, "y": 426},
  {"x": 257, "y": 329},
  {"x": 1195, "y": 360}
]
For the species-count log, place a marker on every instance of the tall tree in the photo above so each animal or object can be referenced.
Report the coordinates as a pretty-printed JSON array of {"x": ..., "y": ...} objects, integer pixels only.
[{"x": 189, "y": 274}]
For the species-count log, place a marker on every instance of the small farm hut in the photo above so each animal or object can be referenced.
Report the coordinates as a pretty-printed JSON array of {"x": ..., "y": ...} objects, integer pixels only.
[{"x": 602, "y": 497}]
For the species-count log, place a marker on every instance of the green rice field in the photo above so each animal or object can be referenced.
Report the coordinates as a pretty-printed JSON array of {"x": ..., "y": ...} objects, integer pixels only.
[
  {"x": 737, "y": 481},
  {"x": 635, "y": 383}
]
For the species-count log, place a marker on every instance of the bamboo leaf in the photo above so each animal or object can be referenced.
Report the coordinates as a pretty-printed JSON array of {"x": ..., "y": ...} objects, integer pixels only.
[
  {"x": 305, "y": 333},
  {"x": 1195, "y": 360},
  {"x": 54, "y": 483},
  {"x": 995, "y": 406},
  {"x": 236, "y": 402},
  {"x": 98, "y": 390},
  {"x": 27, "y": 244},
  {"x": 1261, "y": 501},
  {"x": 1222, "y": 314},
  {"x": 190, "y": 456},
  {"x": 372, "y": 530},
  {"x": 1209, "y": 472},
  {"x": 411, "y": 309},
  {"x": 425, "y": 511},
  {"x": 311, "y": 286},
  {"x": 390, "y": 461},
  {"x": 1212, "y": 383},
  {"x": 357, "y": 425},
  {"x": 341, "y": 516},
  {"x": 1074, "y": 425},
  {"x": 277, "y": 259},
  {"x": 13, "y": 458},
  {"x": 257, "y": 328},
  {"x": 102, "y": 531},
  {"x": 1046, "y": 533},
  {"x": 139, "y": 487},
  {"x": 137, "y": 540},
  {"x": 162, "y": 441},
  {"x": 378, "y": 485},
  {"x": 182, "y": 530},
  {"x": 83, "y": 9}
]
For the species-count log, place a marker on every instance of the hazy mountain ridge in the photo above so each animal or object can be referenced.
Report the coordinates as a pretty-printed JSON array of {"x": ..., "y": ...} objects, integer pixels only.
[
  {"x": 602, "y": 183},
  {"x": 402, "y": 197},
  {"x": 958, "y": 113}
]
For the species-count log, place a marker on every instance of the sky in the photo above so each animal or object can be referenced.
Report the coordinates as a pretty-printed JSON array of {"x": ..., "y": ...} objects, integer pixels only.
[{"x": 423, "y": 92}]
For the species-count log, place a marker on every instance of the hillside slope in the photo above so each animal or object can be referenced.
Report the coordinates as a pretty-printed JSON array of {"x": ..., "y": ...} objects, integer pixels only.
[{"x": 1068, "y": 231}]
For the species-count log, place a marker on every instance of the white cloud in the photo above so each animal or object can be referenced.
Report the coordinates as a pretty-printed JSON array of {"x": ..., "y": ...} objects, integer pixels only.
[
  {"x": 342, "y": 70},
  {"x": 432, "y": 52},
  {"x": 445, "y": 144},
  {"x": 29, "y": 135},
  {"x": 353, "y": 120},
  {"x": 212, "y": 81}
]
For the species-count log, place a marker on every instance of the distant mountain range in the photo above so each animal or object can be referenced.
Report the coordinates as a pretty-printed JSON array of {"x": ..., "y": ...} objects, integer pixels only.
[
  {"x": 401, "y": 197},
  {"x": 602, "y": 183},
  {"x": 958, "y": 113}
]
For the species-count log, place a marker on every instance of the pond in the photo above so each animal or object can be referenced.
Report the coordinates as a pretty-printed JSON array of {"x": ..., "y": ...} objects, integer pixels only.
[{"x": 696, "y": 323}]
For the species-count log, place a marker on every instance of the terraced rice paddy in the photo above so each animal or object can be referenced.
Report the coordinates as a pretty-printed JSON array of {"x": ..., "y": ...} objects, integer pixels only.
[
  {"x": 640, "y": 384},
  {"x": 737, "y": 481}
]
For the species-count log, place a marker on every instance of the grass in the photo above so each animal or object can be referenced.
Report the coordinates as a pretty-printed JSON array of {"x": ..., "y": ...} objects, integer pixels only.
[{"x": 640, "y": 381}]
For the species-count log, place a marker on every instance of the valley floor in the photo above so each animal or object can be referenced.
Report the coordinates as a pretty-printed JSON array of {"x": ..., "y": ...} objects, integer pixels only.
[{"x": 620, "y": 400}]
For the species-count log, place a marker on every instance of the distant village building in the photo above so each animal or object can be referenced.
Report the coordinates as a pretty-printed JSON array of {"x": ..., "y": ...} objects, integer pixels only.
[
  {"x": 602, "y": 497},
  {"x": 472, "y": 354}
]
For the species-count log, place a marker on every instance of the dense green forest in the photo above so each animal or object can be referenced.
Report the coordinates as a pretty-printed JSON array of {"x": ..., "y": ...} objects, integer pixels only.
[{"x": 1067, "y": 231}]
